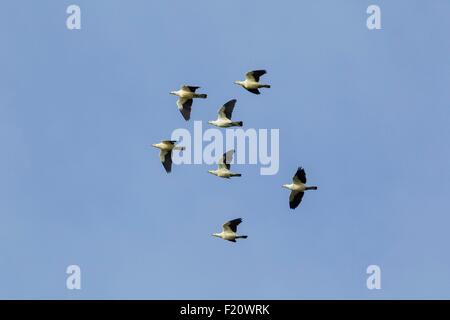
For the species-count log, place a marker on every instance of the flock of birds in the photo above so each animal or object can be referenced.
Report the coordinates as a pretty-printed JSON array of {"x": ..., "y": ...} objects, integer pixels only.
[{"x": 186, "y": 95}]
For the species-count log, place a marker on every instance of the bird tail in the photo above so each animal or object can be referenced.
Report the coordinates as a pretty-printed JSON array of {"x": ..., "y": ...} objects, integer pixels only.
[
  {"x": 201, "y": 96},
  {"x": 266, "y": 86},
  {"x": 238, "y": 123},
  {"x": 236, "y": 175},
  {"x": 311, "y": 188},
  {"x": 241, "y": 237},
  {"x": 180, "y": 148}
]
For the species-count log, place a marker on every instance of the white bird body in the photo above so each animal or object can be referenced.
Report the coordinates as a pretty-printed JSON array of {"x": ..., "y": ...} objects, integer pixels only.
[
  {"x": 225, "y": 123},
  {"x": 185, "y": 94},
  {"x": 223, "y": 167},
  {"x": 230, "y": 231},
  {"x": 224, "y": 115},
  {"x": 226, "y": 235},
  {"x": 298, "y": 188},
  {"x": 221, "y": 123},
  {"x": 224, "y": 173},
  {"x": 164, "y": 146},
  {"x": 251, "y": 82}
]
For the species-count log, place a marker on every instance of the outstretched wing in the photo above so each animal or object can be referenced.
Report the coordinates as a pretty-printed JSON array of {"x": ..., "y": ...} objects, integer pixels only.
[
  {"x": 185, "y": 107},
  {"x": 189, "y": 88},
  {"x": 255, "y": 75},
  {"x": 226, "y": 111},
  {"x": 231, "y": 225},
  {"x": 226, "y": 159},
  {"x": 255, "y": 91},
  {"x": 295, "y": 198},
  {"x": 171, "y": 142},
  {"x": 166, "y": 159},
  {"x": 300, "y": 176}
]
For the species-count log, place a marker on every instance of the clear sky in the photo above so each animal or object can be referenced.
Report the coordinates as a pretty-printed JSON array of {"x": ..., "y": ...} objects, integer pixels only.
[{"x": 365, "y": 112}]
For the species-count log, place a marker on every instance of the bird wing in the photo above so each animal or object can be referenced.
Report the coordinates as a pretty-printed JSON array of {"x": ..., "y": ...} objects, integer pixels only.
[
  {"x": 300, "y": 176},
  {"x": 226, "y": 159},
  {"x": 226, "y": 111},
  {"x": 295, "y": 198},
  {"x": 166, "y": 159},
  {"x": 171, "y": 142},
  {"x": 255, "y": 91},
  {"x": 231, "y": 225},
  {"x": 189, "y": 88},
  {"x": 185, "y": 107},
  {"x": 255, "y": 75}
]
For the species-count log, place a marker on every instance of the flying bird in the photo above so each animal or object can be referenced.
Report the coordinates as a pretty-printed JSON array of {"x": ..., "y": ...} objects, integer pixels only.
[
  {"x": 298, "y": 188},
  {"x": 184, "y": 102},
  {"x": 251, "y": 82},
  {"x": 223, "y": 170},
  {"x": 165, "y": 154},
  {"x": 230, "y": 231},
  {"x": 224, "y": 116}
]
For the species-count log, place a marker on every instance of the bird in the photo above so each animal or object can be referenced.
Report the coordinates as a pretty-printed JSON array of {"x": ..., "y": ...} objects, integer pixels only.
[
  {"x": 251, "y": 82},
  {"x": 224, "y": 116},
  {"x": 298, "y": 188},
  {"x": 185, "y": 96},
  {"x": 165, "y": 154},
  {"x": 223, "y": 170},
  {"x": 230, "y": 231}
]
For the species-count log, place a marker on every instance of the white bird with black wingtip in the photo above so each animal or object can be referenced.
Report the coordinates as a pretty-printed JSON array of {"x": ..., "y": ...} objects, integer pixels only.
[
  {"x": 224, "y": 116},
  {"x": 165, "y": 154},
  {"x": 223, "y": 169},
  {"x": 251, "y": 82},
  {"x": 230, "y": 231},
  {"x": 185, "y": 96},
  {"x": 298, "y": 188}
]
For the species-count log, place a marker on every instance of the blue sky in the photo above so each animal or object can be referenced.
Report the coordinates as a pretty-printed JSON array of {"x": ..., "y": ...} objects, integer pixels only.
[{"x": 365, "y": 112}]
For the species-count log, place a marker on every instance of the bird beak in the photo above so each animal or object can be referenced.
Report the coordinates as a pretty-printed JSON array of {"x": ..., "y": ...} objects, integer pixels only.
[
  {"x": 154, "y": 145},
  {"x": 172, "y": 92},
  {"x": 284, "y": 186},
  {"x": 236, "y": 82}
]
